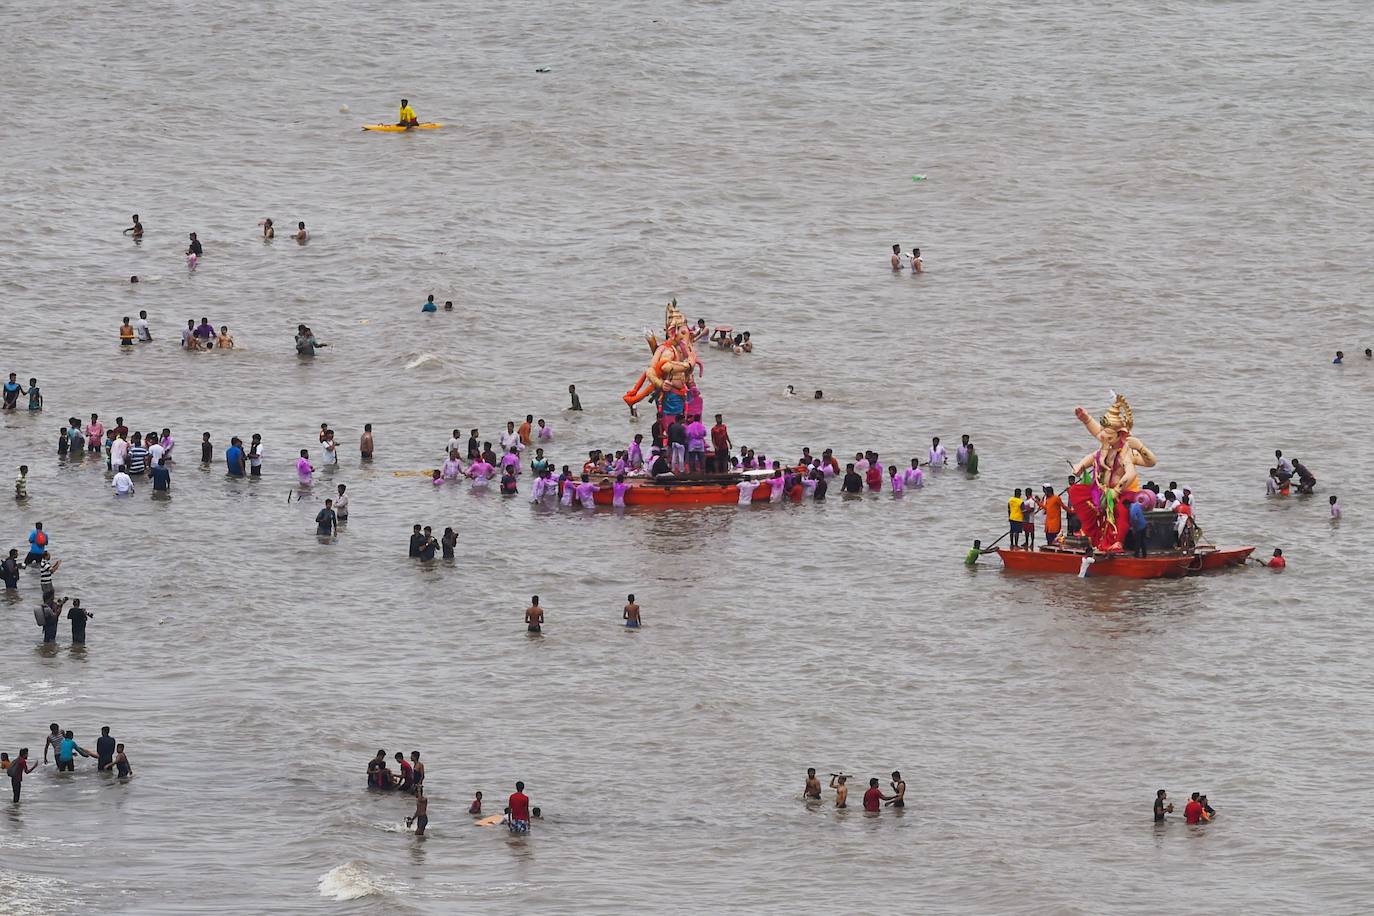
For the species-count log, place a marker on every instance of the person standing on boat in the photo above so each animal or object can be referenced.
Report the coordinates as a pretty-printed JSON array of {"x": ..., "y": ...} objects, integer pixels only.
[
  {"x": 1052, "y": 507},
  {"x": 1139, "y": 527},
  {"x": 1015, "y": 517}
]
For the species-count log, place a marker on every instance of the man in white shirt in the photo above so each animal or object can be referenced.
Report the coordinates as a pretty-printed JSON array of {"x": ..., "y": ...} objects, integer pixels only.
[
  {"x": 118, "y": 450},
  {"x": 455, "y": 443},
  {"x": 961, "y": 453},
  {"x": 510, "y": 439},
  {"x": 155, "y": 451},
  {"x": 938, "y": 456},
  {"x": 746, "y": 491},
  {"x": 123, "y": 486},
  {"x": 141, "y": 328}
]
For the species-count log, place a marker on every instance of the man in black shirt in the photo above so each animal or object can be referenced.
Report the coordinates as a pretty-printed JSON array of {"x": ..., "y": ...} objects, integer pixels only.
[
  {"x": 417, "y": 540},
  {"x": 660, "y": 466},
  {"x": 428, "y": 545},
  {"x": 474, "y": 446},
  {"x": 677, "y": 444},
  {"x": 1161, "y": 808},
  {"x": 104, "y": 749},
  {"x": 195, "y": 246},
  {"x": 853, "y": 483},
  {"x": 162, "y": 478},
  {"x": 9, "y": 570},
  {"x": 78, "y": 615},
  {"x": 821, "y": 486}
]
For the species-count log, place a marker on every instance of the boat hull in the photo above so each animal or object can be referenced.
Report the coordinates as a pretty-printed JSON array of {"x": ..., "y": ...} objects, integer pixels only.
[
  {"x": 1122, "y": 565},
  {"x": 1221, "y": 559},
  {"x": 1112, "y": 564},
  {"x": 686, "y": 494}
]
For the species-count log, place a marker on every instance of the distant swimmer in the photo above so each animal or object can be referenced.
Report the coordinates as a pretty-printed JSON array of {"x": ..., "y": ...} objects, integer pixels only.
[
  {"x": 1275, "y": 562},
  {"x": 631, "y": 614},
  {"x": 576, "y": 401},
  {"x": 429, "y": 305},
  {"x": 268, "y": 232},
  {"x": 534, "y": 616},
  {"x": 366, "y": 443},
  {"x": 407, "y": 116},
  {"x": 300, "y": 234},
  {"x": 837, "y": 782},
  {"x": 1340, "y": 358},
  {"x": 195, "y": 248},
  {"x": 1335, "y": 509},
  {"x": 136, "y": 230},
  {"x": 896, "y": 257},
  {"x": 917, "y": 265},
  {"x": 813, "y": 785}
]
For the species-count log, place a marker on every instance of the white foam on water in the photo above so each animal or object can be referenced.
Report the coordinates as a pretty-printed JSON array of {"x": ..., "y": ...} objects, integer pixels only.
[
  {"x": 424, "y": 359},
  {"x": 349, "y": 881}
]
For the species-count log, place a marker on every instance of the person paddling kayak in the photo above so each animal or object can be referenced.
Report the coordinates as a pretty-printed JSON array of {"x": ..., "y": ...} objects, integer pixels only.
[{"x": 407, "y": 117}]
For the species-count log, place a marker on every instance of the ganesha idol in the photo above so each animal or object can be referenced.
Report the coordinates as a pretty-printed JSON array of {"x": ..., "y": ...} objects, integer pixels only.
[
  {"x": 671, "y": 370},
  {"x": 1106, "y": 478}
]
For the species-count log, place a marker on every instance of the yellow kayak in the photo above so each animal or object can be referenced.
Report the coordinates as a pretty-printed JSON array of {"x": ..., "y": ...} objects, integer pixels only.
[{"x": 398, "y": 129}]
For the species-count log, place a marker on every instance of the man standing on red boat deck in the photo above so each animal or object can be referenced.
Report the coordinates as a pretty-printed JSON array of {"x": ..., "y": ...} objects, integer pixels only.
[{"x": 720, "y": 441}]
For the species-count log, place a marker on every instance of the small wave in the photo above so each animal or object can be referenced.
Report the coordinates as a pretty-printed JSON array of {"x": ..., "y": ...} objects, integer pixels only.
[
  {"x": 349, "y": 881},
  {"x": 424, "y": 359}
]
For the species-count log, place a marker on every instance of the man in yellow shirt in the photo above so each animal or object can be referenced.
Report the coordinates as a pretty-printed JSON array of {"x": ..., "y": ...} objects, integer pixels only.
[
  {"x": 407, "y": 117},
  {"x": 1016, "y": 518}
]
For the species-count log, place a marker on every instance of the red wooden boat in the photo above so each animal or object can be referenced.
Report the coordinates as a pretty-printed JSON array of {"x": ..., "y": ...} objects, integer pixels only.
[
  {"x": 712, "y": 490},
  {"x": 1050, "y": 560},
  {"x": 1170, "y": 565},
  {"x": 1210, "y": 558}
]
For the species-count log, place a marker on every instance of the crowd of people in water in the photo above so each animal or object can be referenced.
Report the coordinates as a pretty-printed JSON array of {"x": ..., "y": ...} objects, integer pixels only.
[
  {"x": 409, "y": 779},
  {"x": 1197, "y": 811},
  {"x": 109, "y": 757},
  {"x": 873, "y": 798}
]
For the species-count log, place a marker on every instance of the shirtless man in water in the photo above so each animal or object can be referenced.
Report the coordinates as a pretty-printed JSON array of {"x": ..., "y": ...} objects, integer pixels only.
[
  {"x": 813, "y": 785},
  {"x": 534, "y": 616},
  {"x": 896, "y": 257},
  {"x": 631, "y": 613},
  {"x": 421, "y": 816},
  {"x": 841, "y": 790}
]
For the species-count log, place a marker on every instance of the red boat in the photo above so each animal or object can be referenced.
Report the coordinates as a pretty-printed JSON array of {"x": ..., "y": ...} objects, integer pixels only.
[
  {"x": 1171, "y": 565},
  {"x": 712, "y": 490}
]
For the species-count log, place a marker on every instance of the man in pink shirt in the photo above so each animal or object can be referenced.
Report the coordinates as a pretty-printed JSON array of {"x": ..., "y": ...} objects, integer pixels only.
[{"x": 696, "y": 446}]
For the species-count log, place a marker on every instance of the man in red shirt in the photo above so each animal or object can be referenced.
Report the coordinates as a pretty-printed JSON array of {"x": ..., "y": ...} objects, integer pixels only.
[
  {"x": 873, "y": 798},
  {"x": 1192, "y": 812},
  {"x": 519, "y": 805},
  {"x": 720, "y": 443}
]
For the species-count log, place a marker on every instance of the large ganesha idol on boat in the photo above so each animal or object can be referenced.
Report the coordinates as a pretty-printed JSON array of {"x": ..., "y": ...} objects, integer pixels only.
[
  {"x": 1106, "y": 479},
  {"x": 672, "y": 371}
]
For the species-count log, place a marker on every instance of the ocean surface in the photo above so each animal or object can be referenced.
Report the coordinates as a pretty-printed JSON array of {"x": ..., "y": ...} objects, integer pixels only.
[{"x": 1171, "y": 200}]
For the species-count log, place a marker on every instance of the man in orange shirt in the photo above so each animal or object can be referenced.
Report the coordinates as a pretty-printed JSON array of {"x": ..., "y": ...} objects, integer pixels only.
[
  {"x": 1053, "y": 508},
  {"x": 524, "y": 430}
]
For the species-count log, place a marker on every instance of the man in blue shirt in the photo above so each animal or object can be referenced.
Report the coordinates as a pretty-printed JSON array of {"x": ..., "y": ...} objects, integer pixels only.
[
  {"x": 162, "y": 478},
  {"x": 233, "y": 457},
  {"x": 1138, "y": 528},
  {"x": 38, "y": 544},
  {"x": 429, "y": 305}
]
